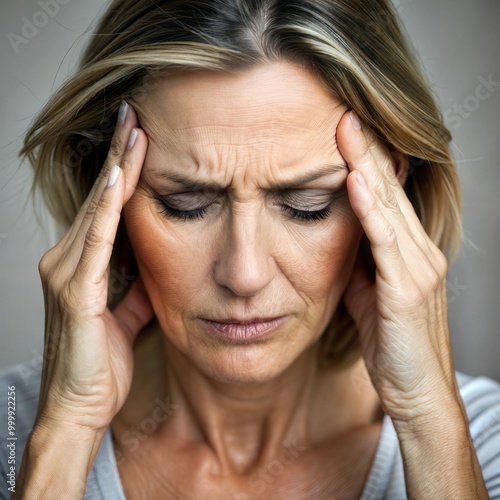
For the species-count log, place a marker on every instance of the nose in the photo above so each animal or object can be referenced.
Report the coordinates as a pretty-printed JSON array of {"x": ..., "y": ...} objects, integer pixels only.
[{"x": 244, "y": 265}]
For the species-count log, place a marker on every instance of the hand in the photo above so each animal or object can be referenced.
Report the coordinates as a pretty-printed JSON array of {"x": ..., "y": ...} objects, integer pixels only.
[
  {"x": 401, "y": 312},
  {"x": 87, "y": 381}
]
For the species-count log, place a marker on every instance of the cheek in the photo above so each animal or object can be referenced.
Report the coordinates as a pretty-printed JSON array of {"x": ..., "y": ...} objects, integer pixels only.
[
  {"x": 172, "y": 264},
  {"x": 320, "y": 259},
  {"x": 175, "y": 260}
]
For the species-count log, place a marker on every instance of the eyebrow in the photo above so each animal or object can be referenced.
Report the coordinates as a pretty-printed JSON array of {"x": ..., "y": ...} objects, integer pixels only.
[{"x": 199, "y": 185}]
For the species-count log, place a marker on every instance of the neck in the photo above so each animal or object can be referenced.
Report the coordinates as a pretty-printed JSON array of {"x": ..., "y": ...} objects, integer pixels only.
[{"x": 245, "y": 425}]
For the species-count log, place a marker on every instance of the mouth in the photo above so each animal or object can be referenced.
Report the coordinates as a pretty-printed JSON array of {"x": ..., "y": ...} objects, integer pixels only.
[{"x": 238, "y": 329}]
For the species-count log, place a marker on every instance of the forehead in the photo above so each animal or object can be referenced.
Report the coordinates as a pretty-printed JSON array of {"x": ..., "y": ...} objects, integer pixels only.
[
  {"x": 278, "y": 96},
  {"x": 272, "y": 106}
]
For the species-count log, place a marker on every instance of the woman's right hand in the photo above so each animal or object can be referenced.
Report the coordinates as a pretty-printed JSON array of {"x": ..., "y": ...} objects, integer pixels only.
[{"x": 85, "y": 383}]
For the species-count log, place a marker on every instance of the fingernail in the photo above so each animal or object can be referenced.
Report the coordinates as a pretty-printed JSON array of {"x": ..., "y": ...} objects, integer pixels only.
[
  {"x": 132, "y": 138},
  {"x": 122, "y": 112},
  {"x": 113, "y": 175},
  {"x": 359, "y": 177},
  {"x": 355, "y": 120}
]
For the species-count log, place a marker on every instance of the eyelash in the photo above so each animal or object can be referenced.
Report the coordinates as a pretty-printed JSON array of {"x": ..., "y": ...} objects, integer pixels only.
[{"x": 307, "y": 215}]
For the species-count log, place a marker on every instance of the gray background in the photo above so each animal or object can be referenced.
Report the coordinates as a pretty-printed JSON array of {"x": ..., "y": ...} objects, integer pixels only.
[{"x": 458, "y": 44}]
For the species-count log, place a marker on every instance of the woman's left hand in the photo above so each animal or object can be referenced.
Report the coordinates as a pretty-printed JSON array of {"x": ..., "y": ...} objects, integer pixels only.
[{"x": 401, "y": 312}]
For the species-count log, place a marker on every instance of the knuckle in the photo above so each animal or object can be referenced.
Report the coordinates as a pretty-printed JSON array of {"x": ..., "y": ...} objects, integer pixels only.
[
  {"x": 47, "y": 267},
  {"x": 91, "y": 209},
  {"x": 390, "y": 201},
  {"x": 116, "y": 147},
  {"x": 434, "y": 279},
  {"x": 391, "y": 177},
  {"x": 44, "y": 266},
  {"x": 94, "y": 237},
  {"x": 103, "y": 173},
  {"x": 104, "y": 203},
  {"x": 390, "y": 236},
  {"x": 441, "y": 263}
]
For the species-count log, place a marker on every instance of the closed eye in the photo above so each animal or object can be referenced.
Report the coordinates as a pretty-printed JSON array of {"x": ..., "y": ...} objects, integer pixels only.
[
  {"x": 182, "y": 214},
  {"x": 199, "y": 213},
  {"x": 307, "y": 214}
]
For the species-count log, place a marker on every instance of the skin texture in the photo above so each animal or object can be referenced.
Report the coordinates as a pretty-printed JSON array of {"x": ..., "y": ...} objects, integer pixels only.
[
  {"x": 246, "y": 256},
  {"x": 194, "y": 417}
]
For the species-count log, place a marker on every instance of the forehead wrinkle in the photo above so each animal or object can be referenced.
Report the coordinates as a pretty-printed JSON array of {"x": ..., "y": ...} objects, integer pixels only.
[
  {"x": 290, "y": 122},
  {"x": 290, "y": 135},
  {"x": 242, "y": 116},
  {"x": 160, "y": 137},
  {"x": 259, "y": 159},
  {"x": 270, "y": 116}
]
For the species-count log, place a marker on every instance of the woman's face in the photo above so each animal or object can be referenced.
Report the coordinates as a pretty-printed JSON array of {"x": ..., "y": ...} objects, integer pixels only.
[{"x": 248, "y": 250}]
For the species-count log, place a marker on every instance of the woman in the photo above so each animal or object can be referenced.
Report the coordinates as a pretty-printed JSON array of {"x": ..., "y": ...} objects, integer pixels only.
[{"x": 279, "y": 193}]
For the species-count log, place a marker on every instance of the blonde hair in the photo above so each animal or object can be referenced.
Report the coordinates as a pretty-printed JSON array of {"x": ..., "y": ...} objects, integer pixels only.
[{"x": 355, "y": 47}]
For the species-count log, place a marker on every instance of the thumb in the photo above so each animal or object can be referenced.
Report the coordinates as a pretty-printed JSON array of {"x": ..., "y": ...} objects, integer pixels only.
[{"x": 135, "y": 311}]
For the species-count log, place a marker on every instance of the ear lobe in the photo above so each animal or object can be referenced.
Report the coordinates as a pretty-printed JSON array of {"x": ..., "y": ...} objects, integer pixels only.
[{"x": 401, "y": 163}]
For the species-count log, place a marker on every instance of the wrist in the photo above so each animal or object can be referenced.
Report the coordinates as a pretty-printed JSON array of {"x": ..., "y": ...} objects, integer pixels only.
[
  {"x": 443, "y": 420},
  {"x": 56, "y": 462},
  {"x": 440, "y": 408},
  {"x": 439, "y": 457},
  {"x": 47, "y": 435}
]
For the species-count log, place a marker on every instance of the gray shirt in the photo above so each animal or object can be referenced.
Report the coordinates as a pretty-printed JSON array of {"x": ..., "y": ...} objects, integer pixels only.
[{"x": 481, "y": 397}]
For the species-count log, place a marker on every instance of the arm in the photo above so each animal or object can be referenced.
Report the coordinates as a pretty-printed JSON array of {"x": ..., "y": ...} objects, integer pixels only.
[
  {"x": 56, "y": 463},
  {"x": 401, "y": 316},
  {"x": 86, "y": 383},
  {"x": 439, "y": 457}
]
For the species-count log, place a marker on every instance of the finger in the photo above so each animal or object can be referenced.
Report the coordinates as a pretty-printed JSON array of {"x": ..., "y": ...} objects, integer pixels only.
[
  {"x": 135, "y": 311},
  {"x": 363, "y": 151},
  {"x": 381, "y": 173},
  {"x": 131, "y": 166},
  {"x": 391, "y": 266},
  {"x": 127, "y": 120},
  {"x": 99, "y": 238},
  {"x": 366, "y": 153}
]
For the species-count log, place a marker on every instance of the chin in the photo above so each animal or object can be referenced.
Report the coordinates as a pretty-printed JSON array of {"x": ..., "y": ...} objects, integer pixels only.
[{"x": 244, "y": 364}]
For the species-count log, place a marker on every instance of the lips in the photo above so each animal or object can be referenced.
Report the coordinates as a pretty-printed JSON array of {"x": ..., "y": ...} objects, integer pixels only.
[
  {"x": 244, "y": 321},
  {"x": 239, "y": 329}
]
